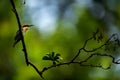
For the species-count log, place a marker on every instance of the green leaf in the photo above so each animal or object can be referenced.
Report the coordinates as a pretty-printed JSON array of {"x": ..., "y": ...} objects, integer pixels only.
[
  {"x": 48, "y": 54},
  {"x": 52, "y": 57},
  {"x": 58, "y": 54},
  {"x": 52, "y": 54},
  {"x": 55, "y": 58},
  {"x": 46, "y": 58}
]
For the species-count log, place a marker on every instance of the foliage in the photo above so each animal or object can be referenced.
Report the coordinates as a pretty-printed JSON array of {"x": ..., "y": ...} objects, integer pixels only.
[{"x": 52, "y": 57}]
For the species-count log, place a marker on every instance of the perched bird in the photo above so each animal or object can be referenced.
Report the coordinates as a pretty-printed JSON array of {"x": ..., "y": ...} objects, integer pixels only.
[{"x": 18, "y": 36}]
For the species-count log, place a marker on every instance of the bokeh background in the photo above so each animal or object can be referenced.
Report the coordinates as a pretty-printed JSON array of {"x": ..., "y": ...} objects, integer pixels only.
[{"x": 60, "y": 26}]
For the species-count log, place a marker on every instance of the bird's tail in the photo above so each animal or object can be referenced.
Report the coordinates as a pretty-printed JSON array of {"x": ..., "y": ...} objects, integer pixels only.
[{"x": 14, "y": 43}]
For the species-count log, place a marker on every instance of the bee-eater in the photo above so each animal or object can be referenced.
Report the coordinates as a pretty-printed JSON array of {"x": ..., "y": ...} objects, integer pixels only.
[{"x": 18, "y": 35}]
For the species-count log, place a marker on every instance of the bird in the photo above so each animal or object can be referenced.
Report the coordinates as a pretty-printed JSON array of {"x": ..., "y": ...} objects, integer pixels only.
[{"x": 18, "y": 35}]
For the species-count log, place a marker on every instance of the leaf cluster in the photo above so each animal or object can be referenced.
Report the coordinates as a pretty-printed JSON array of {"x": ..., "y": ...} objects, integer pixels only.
[{"x": 52, "y": 57}]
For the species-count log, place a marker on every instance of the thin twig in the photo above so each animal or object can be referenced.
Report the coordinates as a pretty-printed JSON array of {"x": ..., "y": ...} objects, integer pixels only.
[
  {"x": 22, "y": 39},
  {"x": 85, "y": 43},
  {"x": 93, "y": 50},
  {"x": 97, "y": 66},
  {"x": 20, "y": 29},
  {"x": 81, "y": 63},
  {"x": 88, "y": 58},
  {"x": 101, "y": 45},
  {"x": 36, "y": 69}
]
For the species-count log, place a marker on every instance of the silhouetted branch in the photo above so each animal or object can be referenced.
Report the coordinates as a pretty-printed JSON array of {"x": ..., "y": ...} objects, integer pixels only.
[
  {"x": 101, "y": 45},
  {"x": 36, "y": 69},
  {"x": 98, "y": 66},
  {"x": 83, "y": 48},
  {"x": 19, "y": 25},
  {"x": 81, "y": 63},
  {"x": 22, "y": 39}
]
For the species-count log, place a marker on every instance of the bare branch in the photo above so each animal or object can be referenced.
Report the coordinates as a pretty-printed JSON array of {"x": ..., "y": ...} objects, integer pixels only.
[
  {"x": 22, "y": 39},
  {"x": 36, "y": 69},
  {"x": 81, "y": 63},
  {"x": 97, "y": 66},
  {"x": 93, "y": 50},
  {"x": 20, "y": 29}
]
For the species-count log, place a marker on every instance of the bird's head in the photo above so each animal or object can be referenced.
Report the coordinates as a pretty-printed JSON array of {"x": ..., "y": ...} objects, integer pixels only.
[{"x": 26, "y": 27}]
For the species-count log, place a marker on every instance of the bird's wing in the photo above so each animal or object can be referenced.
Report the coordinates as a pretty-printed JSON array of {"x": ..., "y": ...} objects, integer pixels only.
[{"x": 17, "y": 35}]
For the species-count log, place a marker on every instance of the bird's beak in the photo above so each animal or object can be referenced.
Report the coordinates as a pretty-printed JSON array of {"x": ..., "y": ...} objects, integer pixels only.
[{"x": 31, "y": 25}]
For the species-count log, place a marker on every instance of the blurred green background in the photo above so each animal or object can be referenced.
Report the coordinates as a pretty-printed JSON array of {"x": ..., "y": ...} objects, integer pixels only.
[{"x": 60, "y": 26}]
